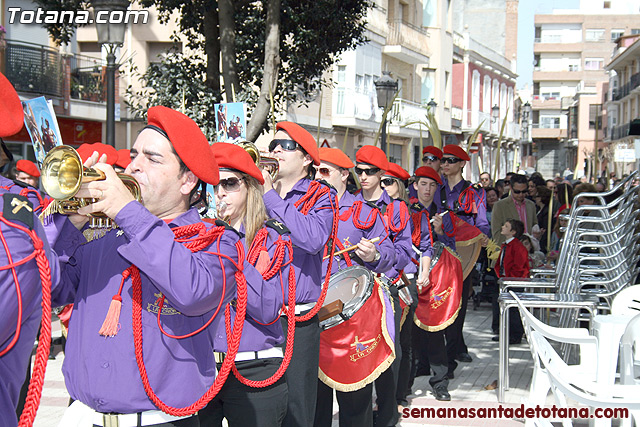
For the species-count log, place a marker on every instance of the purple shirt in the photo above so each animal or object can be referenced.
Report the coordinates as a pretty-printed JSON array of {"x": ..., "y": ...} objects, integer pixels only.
[
  {"x": 447, "y": 226},
  {"x": 102, "y": 372},
  {"x": 479, "y": 218},
  {"x": 264, "y": 300},
  {"x": 13, "y": 365},
  {"x": 402, "y": 239},
  {"x": 349, "y": 234},
  {"x": 23, "y": 189},
  {"x": 309, "y": 233}
]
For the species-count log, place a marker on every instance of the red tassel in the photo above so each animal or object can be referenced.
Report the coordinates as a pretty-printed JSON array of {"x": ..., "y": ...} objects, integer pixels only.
[{"x": 111, "y": 324}]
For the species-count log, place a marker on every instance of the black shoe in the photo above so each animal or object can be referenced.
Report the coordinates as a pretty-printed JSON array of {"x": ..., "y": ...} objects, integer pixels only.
[
  {"x": 464, "y": 357},
  {"x": 514, "y": 341},
  {"x": 450, "y": 375},
  {"x": 441, "y": 393},
  {"x": 496, "y": 338}
]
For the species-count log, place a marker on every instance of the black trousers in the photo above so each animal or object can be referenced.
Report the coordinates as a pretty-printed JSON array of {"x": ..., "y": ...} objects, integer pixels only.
[
  {"x": 354, "y": 407},
  {"x": 242, "y": 405},
  {"x": 453, "y": 333},
  {"x": 302, "y": 373},
  {"x": 406, "y": 369},
  {"x": 387, "y": 382}
]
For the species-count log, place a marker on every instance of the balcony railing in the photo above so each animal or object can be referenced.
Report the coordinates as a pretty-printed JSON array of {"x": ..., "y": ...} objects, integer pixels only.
[
  {"x": 405, "y": 112},
  {"x": 87, "y": 78},
  {"x": 34, "y": 68},
  {"x": 406, "y": 34},
  {"x": 622, "y": 91},
  {"x": 619, "y": 132},
  {"x": 40, "y": 69}
]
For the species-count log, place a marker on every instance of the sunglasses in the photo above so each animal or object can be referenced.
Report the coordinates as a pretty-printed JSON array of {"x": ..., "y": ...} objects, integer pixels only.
[
  {"x": 324, "y": 171},
  {"x": 519, "y": 191},
  {"x": 388, "y": 181},
  {"x": 450, "y": 160},
  {"x": 229, "y": 185},
  {"x": 286, "y": 144},
  {"x": 368, "y": 172},
  {"x": 430, "y": 159}
]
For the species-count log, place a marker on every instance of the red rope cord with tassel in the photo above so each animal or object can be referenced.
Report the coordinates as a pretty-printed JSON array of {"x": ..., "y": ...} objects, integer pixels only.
[
  {"x": 233, "y": 338},
  {"x": 308, "y": 201},
  {"x": 34, "y": 392}
]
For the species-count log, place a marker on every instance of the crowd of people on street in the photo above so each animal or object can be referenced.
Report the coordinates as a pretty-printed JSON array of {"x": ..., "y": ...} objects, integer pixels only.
[{"x": 304, "y": 286}]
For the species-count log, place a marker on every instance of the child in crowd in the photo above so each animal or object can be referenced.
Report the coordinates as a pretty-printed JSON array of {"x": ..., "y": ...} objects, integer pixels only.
[
  {"x": 513, "y": 262},
  {"x": 536, "y": 257}
]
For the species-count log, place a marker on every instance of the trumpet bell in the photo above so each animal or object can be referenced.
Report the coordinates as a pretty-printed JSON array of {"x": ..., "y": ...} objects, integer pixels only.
[{"x": 263, "y": 162}]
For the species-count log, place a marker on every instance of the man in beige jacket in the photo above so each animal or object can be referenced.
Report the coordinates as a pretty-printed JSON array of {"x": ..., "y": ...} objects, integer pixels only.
[{"x": 514, "y": 206}]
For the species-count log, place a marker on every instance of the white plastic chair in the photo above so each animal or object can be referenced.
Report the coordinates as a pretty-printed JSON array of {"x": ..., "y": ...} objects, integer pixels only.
[
  {"x": 565, "y": 384},
  {"x": 627, "y": 301},
  {"x": 588, "y": 344},
  {"x": 629, "y": 356}
]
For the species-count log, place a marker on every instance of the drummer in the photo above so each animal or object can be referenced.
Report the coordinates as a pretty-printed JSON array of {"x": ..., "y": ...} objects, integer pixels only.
[
  {"x": 359, "y": 223},
  {"x": 467, "y": 202},
  {"x": 430, "y": 346},
  {"x": 371, "y": 164},
  {"x": 239, "y": 201}
]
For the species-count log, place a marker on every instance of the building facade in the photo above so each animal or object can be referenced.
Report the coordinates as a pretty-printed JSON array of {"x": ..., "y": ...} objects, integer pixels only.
[{"x": 571, "y": 48}]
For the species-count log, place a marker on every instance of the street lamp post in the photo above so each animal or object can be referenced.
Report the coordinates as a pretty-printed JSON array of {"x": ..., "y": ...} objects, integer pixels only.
[
  {"x": 526, "y": 113},
  {"x": 386, "y": 88},
  {"x": 431, "y": 106},
  {"x": 111, "y": 36}
]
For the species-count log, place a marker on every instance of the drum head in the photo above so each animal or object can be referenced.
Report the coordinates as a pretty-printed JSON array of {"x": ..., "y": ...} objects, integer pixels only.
[{"x": 353, "y": 286}]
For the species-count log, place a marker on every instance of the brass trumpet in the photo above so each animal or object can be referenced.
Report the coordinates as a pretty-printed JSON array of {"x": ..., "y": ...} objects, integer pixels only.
[
  {"x": 62, "y": 175},
  {"x": 263, "y": 162}
]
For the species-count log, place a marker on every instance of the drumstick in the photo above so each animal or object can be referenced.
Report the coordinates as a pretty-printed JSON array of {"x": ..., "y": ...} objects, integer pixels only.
[
  {"x": 440, "y": 215},
  {"x": 350, "y": 248}
]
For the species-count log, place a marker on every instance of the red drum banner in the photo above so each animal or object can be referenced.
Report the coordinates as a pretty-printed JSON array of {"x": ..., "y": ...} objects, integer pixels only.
[
  {"x": 439, "y": 303},
  {"x": 468, "y": 243},
  {"x": 354, "y": 353}
]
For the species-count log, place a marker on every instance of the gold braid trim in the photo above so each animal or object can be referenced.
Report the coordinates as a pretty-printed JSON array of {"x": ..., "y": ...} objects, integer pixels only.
[{"x": 439, "y": 327}]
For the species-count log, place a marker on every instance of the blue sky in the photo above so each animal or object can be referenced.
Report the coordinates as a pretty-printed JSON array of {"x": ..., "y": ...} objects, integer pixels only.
[{"x": 526, "y": 10}]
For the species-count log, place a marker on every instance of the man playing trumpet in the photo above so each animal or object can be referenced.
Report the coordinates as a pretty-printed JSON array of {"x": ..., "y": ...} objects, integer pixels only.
[{"x": 149, "y": 276}]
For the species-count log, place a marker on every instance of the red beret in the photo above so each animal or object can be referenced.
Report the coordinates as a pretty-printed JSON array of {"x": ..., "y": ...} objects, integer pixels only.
[
  {"x": 396, "y": 171},
  {"x": 373, "y": 156},
  {"x": 302, "y": 137},
  {"x": 457, "y": 151},
  {"x": 428, "y": 172},
  {"x": 124, "y": 158},
  {"x": 335, "y": 156},
  {"x": 433, "y": 150},
  {"x": 232, "y": 156},
  {"x": 86, "y": 150},
  {"x": 28, "y": 167},
  {"x": 10, "y": 109},
  {"x": 188, "y": 141}
]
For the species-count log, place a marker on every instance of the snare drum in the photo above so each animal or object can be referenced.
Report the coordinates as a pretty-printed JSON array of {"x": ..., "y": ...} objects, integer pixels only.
[{"x": 352, "y": 286}]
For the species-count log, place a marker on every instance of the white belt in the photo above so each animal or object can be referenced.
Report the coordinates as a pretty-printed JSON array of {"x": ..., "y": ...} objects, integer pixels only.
[
  {"x": 252, "y": 355},
  {"x": 300, "y": 308},
  {"x": 410, "y": 276},
  {"x": 80, "y": 415}
]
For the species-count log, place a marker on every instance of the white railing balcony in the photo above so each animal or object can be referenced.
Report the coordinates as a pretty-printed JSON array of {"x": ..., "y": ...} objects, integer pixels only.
[
  {"x": 405, "y": 112},
  {"x": 350, "y": 103}
]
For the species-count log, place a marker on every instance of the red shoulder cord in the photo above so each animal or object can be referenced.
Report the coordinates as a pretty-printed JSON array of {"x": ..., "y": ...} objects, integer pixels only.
[
  {"x": 40, "y": 364},
  {"x": 276, "y": 267},
  {"x": 204, "y": 238},
  {"x": 416, "y": 233},
  {"x": 315, "y": 191},
  {"x": 466, "y": 199},
  {"x": 404, "y": 218},
  {"x": 26, "y": 191}
]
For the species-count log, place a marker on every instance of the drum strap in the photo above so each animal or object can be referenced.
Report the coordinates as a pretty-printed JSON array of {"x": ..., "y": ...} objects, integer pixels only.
[{"x": 456, "y": 204}]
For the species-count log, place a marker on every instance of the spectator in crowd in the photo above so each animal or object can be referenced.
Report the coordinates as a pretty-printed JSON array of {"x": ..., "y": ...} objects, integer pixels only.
[
  {"x": 500, "y": 184},
  {"x": 507, "y": 184},
  {"x": 536, "y": 257},
  {"x": 542, "y": 203},
  {"x": 557, "y": 235},
  {"x": 564, "y": 194},
  {"x": 515, "y": 206},
  {"x": 551, "y": 185},
  {"x": 533, "y": 190},
  {"x": 584, "y": 188},
  {"x": 485, "y": 179},
  {"x": 492, "y": 198}
]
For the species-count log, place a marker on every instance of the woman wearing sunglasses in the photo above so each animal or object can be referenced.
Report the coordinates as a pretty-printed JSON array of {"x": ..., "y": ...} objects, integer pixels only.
[
  {"x": 359, "y": 223},
  {"x": 239, "y": 201},
  {"x": 371, "y": 164},
  {"x": 393, "y": 182}
]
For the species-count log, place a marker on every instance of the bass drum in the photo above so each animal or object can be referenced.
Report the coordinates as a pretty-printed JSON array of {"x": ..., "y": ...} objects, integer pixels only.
[
  {"x": 440, "y": 301},
  {"x": 469, "y": 254}
]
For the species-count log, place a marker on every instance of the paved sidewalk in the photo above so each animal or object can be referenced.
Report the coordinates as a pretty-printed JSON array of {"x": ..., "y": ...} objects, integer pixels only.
[{"x": 467, "y": 389}]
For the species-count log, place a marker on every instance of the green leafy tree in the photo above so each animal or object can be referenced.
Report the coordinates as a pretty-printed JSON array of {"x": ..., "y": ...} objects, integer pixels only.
[{"x": 259, "y": 49}]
